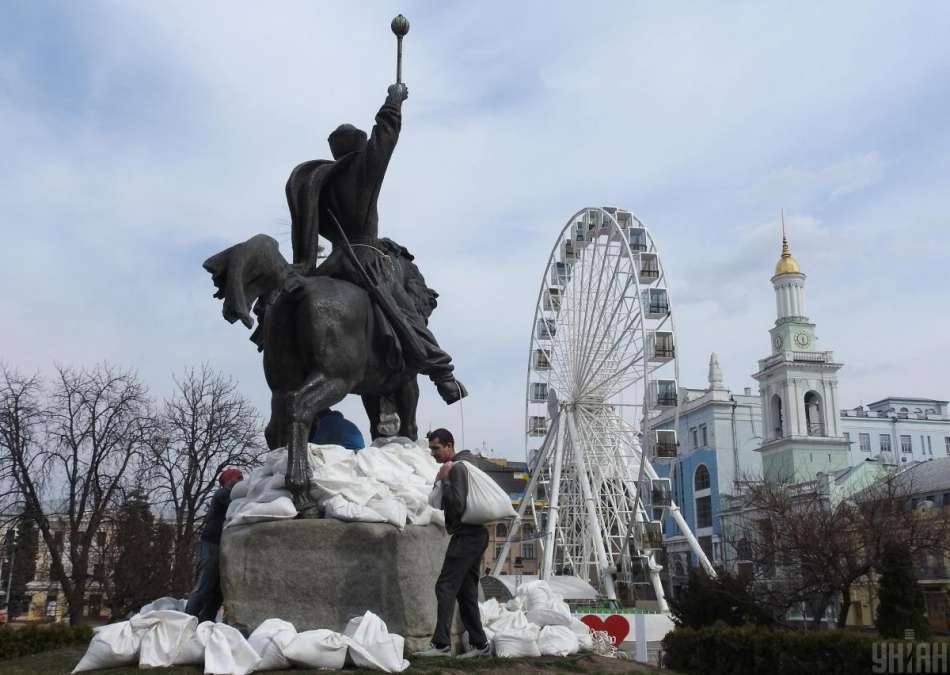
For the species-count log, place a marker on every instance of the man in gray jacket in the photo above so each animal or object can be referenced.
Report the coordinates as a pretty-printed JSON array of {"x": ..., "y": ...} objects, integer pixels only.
[{"x": 458, "y": 580}]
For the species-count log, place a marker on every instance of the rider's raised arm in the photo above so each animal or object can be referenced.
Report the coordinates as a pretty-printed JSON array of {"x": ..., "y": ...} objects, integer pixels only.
[{"x": 385, "y": 134}]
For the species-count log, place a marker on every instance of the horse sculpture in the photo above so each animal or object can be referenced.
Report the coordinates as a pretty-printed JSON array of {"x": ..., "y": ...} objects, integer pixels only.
[{"x": 319, "y": 344}]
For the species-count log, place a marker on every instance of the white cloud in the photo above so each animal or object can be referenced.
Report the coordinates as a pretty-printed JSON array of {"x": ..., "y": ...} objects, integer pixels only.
[{"x": 159, "y": 133}]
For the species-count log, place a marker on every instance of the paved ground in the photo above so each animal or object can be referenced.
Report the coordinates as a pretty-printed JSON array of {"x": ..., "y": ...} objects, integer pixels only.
[{"x": 62, "y": 661}]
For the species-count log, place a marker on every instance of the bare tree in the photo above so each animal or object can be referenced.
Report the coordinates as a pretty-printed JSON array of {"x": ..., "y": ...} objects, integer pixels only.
[
  {"x": 65, "y": 457},
  {"x": 803, "y": 545},
  {"x": 206, "y": 426}
]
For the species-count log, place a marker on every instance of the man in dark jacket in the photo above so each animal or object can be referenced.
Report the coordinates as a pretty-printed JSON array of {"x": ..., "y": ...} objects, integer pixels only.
[
  {"x": 458, "y": 580},
  {"x": 206, "y": 598}
]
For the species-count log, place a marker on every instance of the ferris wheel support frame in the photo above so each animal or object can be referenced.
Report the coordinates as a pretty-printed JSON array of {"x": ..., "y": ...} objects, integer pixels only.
[
  {"x": 593, "y": 521},
  {"x": 550, "y": 528}
]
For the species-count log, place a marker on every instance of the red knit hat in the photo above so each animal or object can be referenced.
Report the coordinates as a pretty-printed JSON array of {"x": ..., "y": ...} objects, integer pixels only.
[{"x": 228, "y": 474}]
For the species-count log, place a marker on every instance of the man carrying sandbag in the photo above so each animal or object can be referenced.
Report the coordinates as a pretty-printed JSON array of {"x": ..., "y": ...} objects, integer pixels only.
[
  {"x": 460, "y": 571},
  {"x": 206, "y": 598}
]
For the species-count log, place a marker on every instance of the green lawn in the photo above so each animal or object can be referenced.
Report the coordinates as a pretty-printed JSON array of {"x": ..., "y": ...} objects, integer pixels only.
[{"x": 62, "y": 661}]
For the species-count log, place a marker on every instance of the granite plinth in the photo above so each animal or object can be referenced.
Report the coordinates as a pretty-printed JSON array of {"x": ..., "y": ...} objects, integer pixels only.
[{"x": 321, "y": 573}]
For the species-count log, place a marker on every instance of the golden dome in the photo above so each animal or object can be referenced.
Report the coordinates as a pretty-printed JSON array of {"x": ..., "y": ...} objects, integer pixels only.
[{"x": 786, "y": 264}]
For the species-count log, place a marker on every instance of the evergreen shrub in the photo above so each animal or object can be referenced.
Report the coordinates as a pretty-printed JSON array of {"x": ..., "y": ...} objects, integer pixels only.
[{"x": 33, "y": 639}]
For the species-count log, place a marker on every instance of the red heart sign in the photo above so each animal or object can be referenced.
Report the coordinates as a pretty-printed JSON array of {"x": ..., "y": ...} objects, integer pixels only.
[{"x": 615, "y": 625}]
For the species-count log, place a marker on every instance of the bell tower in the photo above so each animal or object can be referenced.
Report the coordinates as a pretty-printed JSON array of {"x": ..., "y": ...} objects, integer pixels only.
[{"x": 798, "y": 385}]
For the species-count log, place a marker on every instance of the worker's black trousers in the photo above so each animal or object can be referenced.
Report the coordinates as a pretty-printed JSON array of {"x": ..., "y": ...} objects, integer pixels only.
[{"x": 459, "y": 581}]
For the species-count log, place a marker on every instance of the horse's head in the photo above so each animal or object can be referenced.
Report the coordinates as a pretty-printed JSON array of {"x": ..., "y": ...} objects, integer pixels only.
[{"x": 423, "y": 297}]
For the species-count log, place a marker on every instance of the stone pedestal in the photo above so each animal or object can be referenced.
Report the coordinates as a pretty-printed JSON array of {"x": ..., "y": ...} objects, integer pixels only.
[{"x": 322, "y": 573}]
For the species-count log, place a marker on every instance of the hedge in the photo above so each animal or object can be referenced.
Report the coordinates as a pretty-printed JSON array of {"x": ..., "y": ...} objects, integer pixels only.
[
  {"x": 35, "y": 638},
  {"x": 754, "y": 650}
]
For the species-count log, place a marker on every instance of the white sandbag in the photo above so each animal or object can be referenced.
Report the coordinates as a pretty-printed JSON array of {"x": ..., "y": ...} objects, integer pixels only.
[
  {"x": 166, "y": 602},
  {"x": 537, "y": 595},
  {"x": 331, "y": 454},
  {"x": 318, "y": 649},
  {"x": 114, "y": 645},
  {"x": 373, "y": 646},
  {"x": 509, "y": 621},
  {"x": 269, "y": 641},
  {"x": 486, "y": 500},
  {"x": 253, "y": 512},
  {"x": 228, "y": 653},
  {"x": 340, "y": 508},
  {"x": 239, "y": 490},
  {"x": 340, "y": 479},
  {"x": 163, "y": 633},
  {"x": 585, "y": 637},
  {"x": 489, "y": 611},
  {"x": 557, "y": 641},
  {"x": 276, "y": 461},
  {"x": 383, "y": 466},
  {"x": 390, "y": 508},
  {"x": 192, "y": 649},
  {"x": 516, "y": 604},
  {"x": 548, "y": 617},
  {"x": 517, "y": 643}
]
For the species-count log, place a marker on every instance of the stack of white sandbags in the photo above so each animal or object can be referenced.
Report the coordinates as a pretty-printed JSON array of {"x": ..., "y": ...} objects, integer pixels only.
[
  {"x": 385, "y": 483},
  {"x": 536, "y": 622},
  {"x": 160, "y": 638}
]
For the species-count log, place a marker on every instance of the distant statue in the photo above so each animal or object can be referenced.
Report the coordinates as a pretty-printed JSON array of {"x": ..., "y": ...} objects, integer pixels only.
[{"x": 355, "y": 324}]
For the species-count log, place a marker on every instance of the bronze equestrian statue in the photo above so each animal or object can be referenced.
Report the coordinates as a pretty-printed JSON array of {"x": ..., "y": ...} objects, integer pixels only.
[{"x": 357, "y": 323}]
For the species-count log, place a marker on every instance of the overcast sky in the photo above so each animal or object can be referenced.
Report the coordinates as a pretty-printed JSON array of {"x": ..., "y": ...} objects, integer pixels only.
[{"x": 140, "y": 138}]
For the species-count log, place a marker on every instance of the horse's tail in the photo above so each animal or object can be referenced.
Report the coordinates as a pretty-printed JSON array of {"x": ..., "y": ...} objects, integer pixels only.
[{"x": 247, "y": 273}]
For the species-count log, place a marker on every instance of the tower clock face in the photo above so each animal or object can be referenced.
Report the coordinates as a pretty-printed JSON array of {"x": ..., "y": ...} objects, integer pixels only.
[
  {"x": 802, "y": 339},
  {"x": 777, "y": 341}
]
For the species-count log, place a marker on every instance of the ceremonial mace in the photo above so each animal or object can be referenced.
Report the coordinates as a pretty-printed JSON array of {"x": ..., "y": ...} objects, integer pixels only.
[{"x": 400, "y": 26}]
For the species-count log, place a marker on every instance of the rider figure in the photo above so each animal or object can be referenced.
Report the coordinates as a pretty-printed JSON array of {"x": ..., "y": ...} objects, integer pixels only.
[{"x": 324, "y": 195}]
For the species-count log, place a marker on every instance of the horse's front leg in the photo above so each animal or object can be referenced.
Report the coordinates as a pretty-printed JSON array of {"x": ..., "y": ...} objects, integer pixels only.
[
  {"x": 407, "y": 399},
  {"x": 317, "y": 393}
]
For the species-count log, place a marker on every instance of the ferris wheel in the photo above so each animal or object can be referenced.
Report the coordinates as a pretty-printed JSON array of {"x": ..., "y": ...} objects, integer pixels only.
[{"x": 601, "y": 368}]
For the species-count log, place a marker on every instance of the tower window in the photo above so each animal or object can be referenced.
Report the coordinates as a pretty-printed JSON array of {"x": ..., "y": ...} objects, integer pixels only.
[
  {"x": 885, "y": 442},
  {"x": 865, "y": 440}
]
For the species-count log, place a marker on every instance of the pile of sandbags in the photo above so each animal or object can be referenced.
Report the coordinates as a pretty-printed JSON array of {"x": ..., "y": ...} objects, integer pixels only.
[
  {"x": 536, "y": 622},
  {"x": 388, "y": 482},
  {"x": 159, "y": 638}
]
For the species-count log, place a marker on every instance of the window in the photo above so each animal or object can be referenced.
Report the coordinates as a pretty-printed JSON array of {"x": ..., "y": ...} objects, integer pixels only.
[
  {"x": 527, "y": 551},
  {"x": 498, "y": 548},
  {"x": 501, "y": 530},
  {"x": 906, "y": 445},
  {"x": 847, "y": 437},
  {"x": 865, "y": 440},
  {"x": 702, "y": 428},
  {"x": 930, "y": 447},
  {"x": 695, "y": 436},
  {"x": 885, "y": 442},
  {"x": 923, "y": 446},
  {"x": 701, "y": 479},
  {"x": 704, "y": 512},
  {"x": 946, "y": 498},
  {"x": 946, "y": 442},
  {"x": 705, "y": 543}
]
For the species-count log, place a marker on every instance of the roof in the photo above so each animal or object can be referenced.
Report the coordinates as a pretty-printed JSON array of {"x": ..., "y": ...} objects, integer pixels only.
[
  {"x": 907, "y": 398},
  {"x": 927, "y": 477}
]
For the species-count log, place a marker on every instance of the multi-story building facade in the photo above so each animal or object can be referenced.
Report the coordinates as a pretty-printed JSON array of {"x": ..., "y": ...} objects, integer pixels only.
[{"x": 791, "y": 430}]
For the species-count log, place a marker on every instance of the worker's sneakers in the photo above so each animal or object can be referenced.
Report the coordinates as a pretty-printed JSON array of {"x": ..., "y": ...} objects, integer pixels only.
[
  {"x": 434, "y": 651},
  {"x": 477, "y": 651}
]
